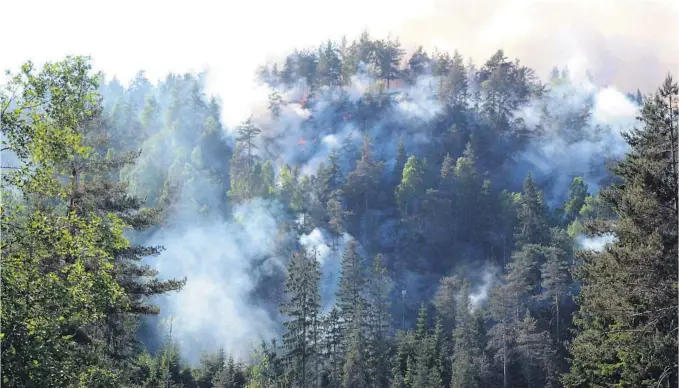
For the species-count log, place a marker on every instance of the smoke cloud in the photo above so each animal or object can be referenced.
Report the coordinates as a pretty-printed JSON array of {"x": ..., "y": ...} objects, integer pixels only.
[
  {"x": 224, "y": 262},
  {"x": 318, "y": 242},
  {"x": 580, "y": 124},
  {"x": 596, "y": 243},
  {"x": 625, "y": 45},
  {"x": 479, "y": 294}
]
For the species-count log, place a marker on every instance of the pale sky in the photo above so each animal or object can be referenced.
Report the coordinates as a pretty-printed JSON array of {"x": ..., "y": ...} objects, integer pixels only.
[{"x": 628, "y": 43}]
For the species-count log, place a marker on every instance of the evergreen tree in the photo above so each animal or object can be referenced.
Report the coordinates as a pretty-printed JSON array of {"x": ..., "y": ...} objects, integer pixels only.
[
  {"x": 577, "y": 193},
  {"x": 247, "y": 134},
  {"x": 363, "y": 183},
  {"x": 72, "y": 286},
  {"x": 627, "y": 332},
  {"x": 388, "y": 57},
  {"x": 417, "y": 64},
  {"x": 469, "y": 367},
  {"x": 556, "y": 285},
  {"x": 400, "y": 162},
  {"x": 350, "y": 296},
  {"x": 378, "y": 291},
  {"x": 333, "y": 346},
  {"x": 454, "y": 90},
  {"x": 330, "y": 65},
  {"x": 411, "y": 188},
  {"x": 355, "y": 368},
  {"x": 301, "y": 309},
  {"x": 532, "y": 225}
]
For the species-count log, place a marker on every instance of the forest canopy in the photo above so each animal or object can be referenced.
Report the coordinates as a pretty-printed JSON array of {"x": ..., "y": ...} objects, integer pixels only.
[{"x": 389, "y": 219}]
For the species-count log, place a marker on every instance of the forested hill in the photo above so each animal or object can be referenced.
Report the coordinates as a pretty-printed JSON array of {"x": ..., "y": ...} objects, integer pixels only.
[{"x": 382, "y": 219}]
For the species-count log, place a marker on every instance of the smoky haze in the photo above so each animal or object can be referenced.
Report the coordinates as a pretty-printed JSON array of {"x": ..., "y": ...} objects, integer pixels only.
[
  {"x": 616, "y": 36},
  {"x": 625, "y": 45}
]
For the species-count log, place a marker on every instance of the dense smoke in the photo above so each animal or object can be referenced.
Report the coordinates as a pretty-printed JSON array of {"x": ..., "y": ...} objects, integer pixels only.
[
  {"x": 226, "y": 261},
  {"x": 580, "y": 125}
]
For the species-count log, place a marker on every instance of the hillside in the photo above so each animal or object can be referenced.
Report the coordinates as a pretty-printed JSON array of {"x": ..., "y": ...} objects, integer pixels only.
[{"x": 382, "y": 219}]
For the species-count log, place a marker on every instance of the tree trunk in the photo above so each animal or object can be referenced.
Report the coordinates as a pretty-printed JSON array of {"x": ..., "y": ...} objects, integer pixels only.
[
  {"x": 558, "y": 320},
  {"x": 504, "y": 357}
]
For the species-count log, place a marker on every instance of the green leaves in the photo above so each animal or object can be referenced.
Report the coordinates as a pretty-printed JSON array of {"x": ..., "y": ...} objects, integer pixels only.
[{"x": 58, "y": 245}]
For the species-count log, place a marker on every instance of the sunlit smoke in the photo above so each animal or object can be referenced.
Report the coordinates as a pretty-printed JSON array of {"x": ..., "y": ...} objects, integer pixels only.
[
  {"x": 596, "y": 243},
  {"x": 223, "y": 261}
]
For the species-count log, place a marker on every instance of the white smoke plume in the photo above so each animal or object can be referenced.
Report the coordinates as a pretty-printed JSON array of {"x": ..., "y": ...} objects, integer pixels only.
[
  {"x": 582, "y": 125},
  {"x": 306, "y": 134},
  {"x": 480, "y": 293},
  {"x": 318, "y": 242},
  {"x": 596, "y": 243},
  {"x": 224, "y": 262}
]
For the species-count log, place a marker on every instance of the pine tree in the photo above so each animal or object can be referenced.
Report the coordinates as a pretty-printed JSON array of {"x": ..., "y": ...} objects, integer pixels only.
[
  {"x": 411, "y": 188},
  {"x": 468, "y": 188},
  {"x": 445, "y": 300},
  {"x": 350, "y": 296},
  {"x": 627, "y": 332},
  {"x": 556, "y": 284},
  {"x": 417, "y": 64},
  {"x": 301, "y": 202},
  {"x": 275, "y": 102},
  {"x": 301, "y": 308},
  {"x": 355, "y": 368},
  {"x": 378, "y": 291},
  {"x": 337, "y": 216},
  {"x": 438, "y": 370},
  {"x": 364, "y": 183},
  {"x": 400, "y": 163},
  {"x": 287, "y": 185},
  {"x": 535, "y": 353},
  {"x": 454, "y": 90},
  {"x": 333, "y": 346},
  {"x": 401, "y": 374},
  {"x": 247, "y": 134},
  {"x": 73, "y": 289},
  {"x": 577, "y": 193},
  {"x": 210, "y": 365},
  {"x": 387, "y": 59},
  {"x": 364, "y": 180},
  {"x": 469, "y": 365},
  {"x": 330, "y": 65},
  {"x": 532, "y": 226},
  {"x": 424, "y": 353}
]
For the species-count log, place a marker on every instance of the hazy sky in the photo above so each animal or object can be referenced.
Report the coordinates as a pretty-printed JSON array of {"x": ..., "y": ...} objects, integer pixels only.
[{"x": 629, "y": 43}]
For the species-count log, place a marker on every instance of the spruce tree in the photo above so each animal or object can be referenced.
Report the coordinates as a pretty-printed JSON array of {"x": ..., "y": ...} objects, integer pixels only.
[
  {"x": 301, "y": 309},
  {"x": 379, "y": 320},
  {"x": 532, "y": 225},
  {"x": 627, "y": 317},
  {"x": 469, "y": 365},
  {"x": 351, "y": 293}
]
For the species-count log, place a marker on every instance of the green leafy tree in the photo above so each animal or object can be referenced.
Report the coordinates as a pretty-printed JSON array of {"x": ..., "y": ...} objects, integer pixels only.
[
  {"x": 73, "y": 245},
  {"x": 577, "y": 194}
]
